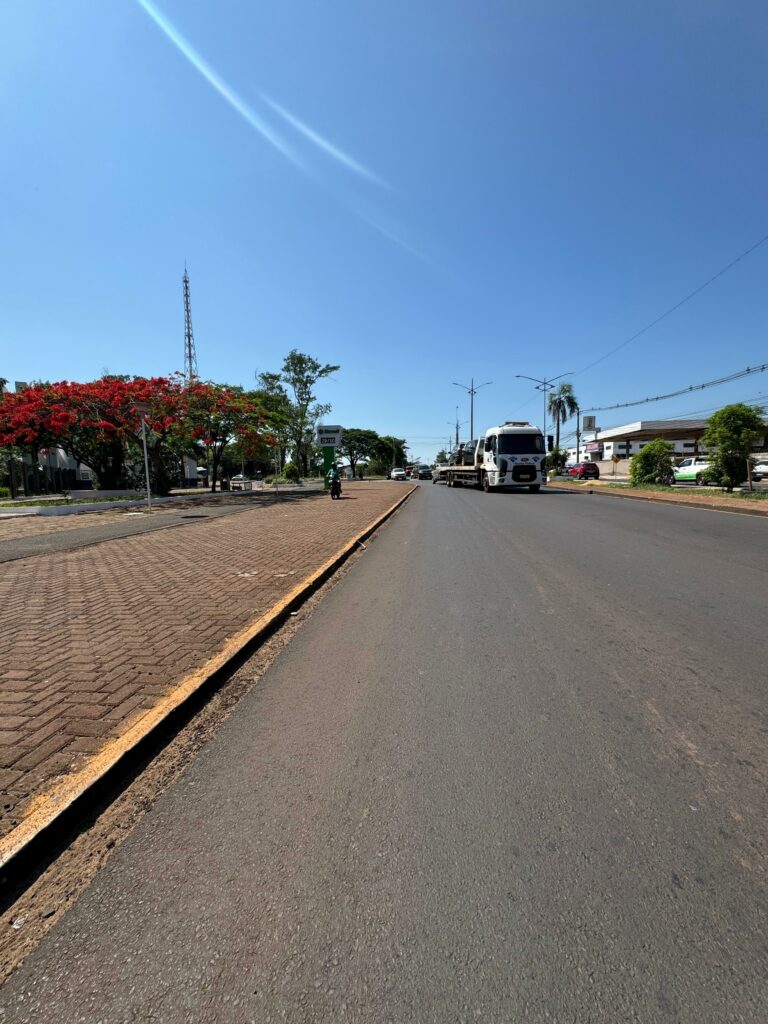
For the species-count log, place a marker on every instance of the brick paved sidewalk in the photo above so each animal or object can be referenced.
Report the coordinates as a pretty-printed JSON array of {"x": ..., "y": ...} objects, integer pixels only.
[{"x": 91, "y": 639}]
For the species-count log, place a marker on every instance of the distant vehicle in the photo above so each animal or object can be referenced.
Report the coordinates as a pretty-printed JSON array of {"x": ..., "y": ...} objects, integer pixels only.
[
  {"x": 692, "y": 470},
  {"x": 511, "y": 455},
  {"x": 398, "y": 474},
  {"x": 438, "y": 474},
  {"x": 422, "y": 472},
  {"x": 584, "y": 471},
  {"x": 760, "y": 470}
]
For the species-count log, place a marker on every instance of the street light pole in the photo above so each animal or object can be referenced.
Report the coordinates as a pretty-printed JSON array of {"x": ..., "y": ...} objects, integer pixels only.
[
  {"x": 146, "y": 461},
  {"x": 545, "y": 386},
  {"x": 471, "y": 391}
]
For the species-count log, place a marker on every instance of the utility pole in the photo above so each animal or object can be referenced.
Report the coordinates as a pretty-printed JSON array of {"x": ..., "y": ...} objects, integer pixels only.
[
  {"x": 578, "y": 432},
  {"x": 471, "y": 391},
  {"x": 545, "y": 386}
]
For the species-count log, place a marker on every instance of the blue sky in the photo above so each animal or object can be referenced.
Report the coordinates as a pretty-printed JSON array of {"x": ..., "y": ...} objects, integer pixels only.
[{"x": 420, "y": 191}]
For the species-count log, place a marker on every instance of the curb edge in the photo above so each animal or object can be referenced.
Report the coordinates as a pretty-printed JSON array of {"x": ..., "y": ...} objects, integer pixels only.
[{"x": 49, "y": 807}]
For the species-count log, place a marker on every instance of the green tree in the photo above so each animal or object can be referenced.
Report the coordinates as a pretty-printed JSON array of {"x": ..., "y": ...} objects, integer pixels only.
[
  {"x": 556, "y": 459},
  {"x": 300, "y": 374},
  {"x": 561, "y": 404},
  {"x": 357, "y": 444},
  {"x": 441, "y": 458},
  {"x": 652, "y": 464},
  {"x": 732, "y": 433},
  {"x": 390, "y": 451}
]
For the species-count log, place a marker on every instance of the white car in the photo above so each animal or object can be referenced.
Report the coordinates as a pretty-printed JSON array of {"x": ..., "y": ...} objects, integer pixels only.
[
  {"x": 760, "y": 470},
  {"x": 692, "y": 470},
  {"x": 398, "y": 474}
]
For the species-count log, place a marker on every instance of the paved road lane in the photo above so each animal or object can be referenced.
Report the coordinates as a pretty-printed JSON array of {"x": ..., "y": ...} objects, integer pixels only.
[{"x": 512, "y": 769}]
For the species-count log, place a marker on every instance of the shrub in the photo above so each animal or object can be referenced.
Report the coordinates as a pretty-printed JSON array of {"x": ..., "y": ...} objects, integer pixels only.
[
  {"x": 732, "y": 431},
  {"x": 652, "y": 464},
  {"x": 292, "y": 473},
  {"x": 556, "y": 460},
  {"x": 5, "y": 492}
]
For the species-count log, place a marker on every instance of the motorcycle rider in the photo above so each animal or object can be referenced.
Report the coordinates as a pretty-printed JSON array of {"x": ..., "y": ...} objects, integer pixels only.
[{"x": 334, "y": 477}]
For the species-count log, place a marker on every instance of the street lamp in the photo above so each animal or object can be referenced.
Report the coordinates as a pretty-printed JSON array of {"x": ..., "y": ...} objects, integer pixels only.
[
  {"x": 545, "y": 386},
  {"x": 472, "y": 391},
  {"x": 456, "y": 425}
]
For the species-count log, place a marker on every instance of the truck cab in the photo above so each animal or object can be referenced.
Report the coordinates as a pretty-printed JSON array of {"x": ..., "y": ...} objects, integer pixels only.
[{"x": 512, "y": 455}]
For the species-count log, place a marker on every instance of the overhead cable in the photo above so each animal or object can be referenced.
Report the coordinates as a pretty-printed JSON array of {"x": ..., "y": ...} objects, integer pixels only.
[
  {"x": 677, "y": 305},
  {"x": 685, "y": 391}
]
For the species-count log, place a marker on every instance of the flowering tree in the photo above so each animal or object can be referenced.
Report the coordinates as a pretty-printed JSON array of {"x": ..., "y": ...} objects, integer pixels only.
[{"x": 216, "y": 415}]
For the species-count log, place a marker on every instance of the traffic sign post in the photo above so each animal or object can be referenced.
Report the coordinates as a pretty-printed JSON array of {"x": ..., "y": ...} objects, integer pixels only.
[{"x": 329, "y": 438}]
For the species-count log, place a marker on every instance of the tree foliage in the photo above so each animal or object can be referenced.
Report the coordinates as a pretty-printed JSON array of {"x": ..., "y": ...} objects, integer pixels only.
[
  {"x": 297, "y": 379},
  {"x": 652, "y": 464},
  {"x": 561, "y": 404},
  {"x": 732, "y": 433},
  {"x": 358, "y": 445},
  {"x": 99, "y": 423}
]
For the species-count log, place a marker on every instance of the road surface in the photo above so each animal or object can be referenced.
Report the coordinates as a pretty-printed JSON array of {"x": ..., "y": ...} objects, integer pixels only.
[{"x": 512, "y": 769}]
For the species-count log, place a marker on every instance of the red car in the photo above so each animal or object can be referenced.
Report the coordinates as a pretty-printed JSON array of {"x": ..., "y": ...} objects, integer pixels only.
[{"x": 584, "y": 471}]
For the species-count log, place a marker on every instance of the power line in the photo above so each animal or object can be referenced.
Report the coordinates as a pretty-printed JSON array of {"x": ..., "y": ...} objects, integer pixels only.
[
  {"x": 677, "y": 305},
  {"x": 685, "y": 391}
]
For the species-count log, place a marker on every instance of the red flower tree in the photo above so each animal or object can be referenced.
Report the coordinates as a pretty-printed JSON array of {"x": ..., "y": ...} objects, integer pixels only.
[{"x": 99, "y": 423}]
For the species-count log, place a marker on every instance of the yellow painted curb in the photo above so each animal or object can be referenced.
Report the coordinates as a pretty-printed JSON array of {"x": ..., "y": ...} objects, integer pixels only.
[{"x": 46, "y": 807}]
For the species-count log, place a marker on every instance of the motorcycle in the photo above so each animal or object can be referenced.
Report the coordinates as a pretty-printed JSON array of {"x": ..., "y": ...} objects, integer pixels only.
[{"x": 336, "y": 488}]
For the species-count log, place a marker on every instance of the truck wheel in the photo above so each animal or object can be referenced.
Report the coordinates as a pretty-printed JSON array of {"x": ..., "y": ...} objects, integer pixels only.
[
  {"x": 534, "y": 488},
  {"x": 486, "y": 484}
]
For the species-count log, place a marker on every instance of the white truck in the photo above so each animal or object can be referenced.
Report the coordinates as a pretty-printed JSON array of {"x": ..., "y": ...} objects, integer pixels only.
[{"x": 512, "y": 455}]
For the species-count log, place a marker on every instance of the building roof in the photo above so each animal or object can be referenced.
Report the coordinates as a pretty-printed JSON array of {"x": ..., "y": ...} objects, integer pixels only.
[{"x": 646, "y": 430}]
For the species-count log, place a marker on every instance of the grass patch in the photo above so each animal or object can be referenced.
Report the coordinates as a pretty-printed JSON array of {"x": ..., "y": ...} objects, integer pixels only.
[{"x": 705, "y": 492}]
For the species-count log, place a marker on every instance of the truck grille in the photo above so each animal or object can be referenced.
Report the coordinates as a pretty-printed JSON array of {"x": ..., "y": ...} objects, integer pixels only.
[{"x": 524, "y": 474}]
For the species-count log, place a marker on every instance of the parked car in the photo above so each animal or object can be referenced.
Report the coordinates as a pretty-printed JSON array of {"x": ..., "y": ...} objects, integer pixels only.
[
  {"x": 584, "y": 471},
  {"x": 692, "y": 470},
  {"x": 398, "y": 474},
  {"x": 760, "y": 470}
]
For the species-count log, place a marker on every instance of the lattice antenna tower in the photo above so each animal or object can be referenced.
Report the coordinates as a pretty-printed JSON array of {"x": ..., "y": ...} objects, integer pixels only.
[{"x": 190, "y": 356}]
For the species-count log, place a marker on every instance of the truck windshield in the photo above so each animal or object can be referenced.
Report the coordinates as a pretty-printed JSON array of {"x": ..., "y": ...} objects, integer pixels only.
[{"x": 520, "y": 444}]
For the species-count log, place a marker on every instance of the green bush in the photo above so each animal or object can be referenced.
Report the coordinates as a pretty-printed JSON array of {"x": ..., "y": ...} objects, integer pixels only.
[
  {"x": 292, "y": 473},
  {"x": 5, "y": 492},
  {"x": 556, "y": 460},
  {"x": 652, "y": 464}
]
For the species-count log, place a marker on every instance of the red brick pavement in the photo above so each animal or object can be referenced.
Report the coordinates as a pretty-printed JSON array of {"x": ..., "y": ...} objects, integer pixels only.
[{"x": 91, "y": 639}]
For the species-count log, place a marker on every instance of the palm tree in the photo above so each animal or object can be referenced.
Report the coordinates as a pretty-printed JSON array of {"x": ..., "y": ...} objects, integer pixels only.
[{"x": 562, "y": 405}]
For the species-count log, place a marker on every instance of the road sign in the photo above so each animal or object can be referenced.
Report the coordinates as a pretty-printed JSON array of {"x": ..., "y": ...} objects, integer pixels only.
[
  {"x": 328, "y": 436},
  {"x": 588, "y": 423}
]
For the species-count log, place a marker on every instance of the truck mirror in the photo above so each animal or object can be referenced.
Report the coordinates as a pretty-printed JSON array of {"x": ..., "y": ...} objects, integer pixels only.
[{"x": 550, "y": 442}]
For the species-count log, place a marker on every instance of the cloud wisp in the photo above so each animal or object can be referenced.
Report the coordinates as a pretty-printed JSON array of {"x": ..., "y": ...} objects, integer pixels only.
[
  {"x": 208, "y": 73},
  {"x": 322, "y": 143}
]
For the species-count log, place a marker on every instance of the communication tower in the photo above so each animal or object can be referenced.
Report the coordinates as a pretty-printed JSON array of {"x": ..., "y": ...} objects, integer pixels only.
[{"x": 190, "y": 356}]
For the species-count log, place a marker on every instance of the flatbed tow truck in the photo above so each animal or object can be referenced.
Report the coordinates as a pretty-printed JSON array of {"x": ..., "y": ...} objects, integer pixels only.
[{"x": 510, "y": 456}]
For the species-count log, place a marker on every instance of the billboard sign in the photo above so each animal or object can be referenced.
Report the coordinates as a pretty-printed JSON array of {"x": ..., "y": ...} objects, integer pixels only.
[
  {"x": 588, "y": 423},
  {"x": 328, "y": 436}
]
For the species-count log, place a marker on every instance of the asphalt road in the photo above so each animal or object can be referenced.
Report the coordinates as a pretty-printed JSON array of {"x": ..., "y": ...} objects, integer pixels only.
[{"x": 512, "y": 769}]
